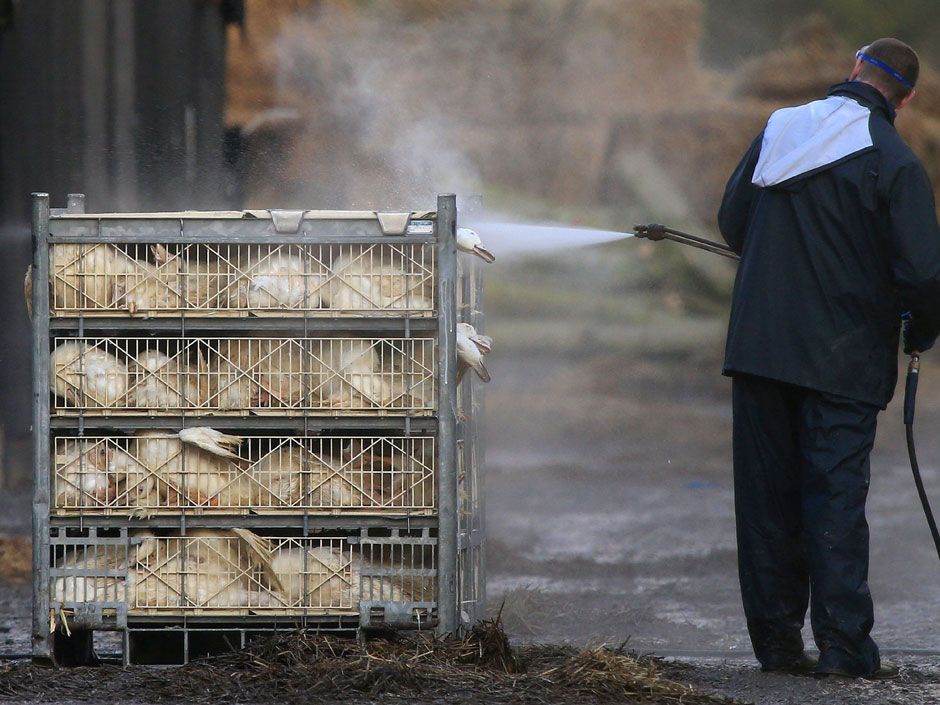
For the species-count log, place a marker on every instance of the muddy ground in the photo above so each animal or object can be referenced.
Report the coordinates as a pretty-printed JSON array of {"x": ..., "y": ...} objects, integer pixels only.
[{"x": 609, "y": 510}]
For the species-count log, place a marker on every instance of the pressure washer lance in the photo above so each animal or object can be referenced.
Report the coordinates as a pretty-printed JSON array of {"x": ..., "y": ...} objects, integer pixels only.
[{"x": 656, "y": 232}]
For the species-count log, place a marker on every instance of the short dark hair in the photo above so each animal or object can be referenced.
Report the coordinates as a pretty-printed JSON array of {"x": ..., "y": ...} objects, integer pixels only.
[{"x": 898, "y": 56}]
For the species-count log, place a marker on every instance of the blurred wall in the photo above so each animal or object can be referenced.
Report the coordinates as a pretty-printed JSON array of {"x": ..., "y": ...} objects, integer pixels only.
[
  {"x": 120, "y": 100},
  {"x": 394, "y": 101}
]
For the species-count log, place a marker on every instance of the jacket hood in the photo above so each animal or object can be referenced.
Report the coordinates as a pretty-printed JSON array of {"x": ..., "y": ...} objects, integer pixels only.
[{"x": 807, "y": 139}]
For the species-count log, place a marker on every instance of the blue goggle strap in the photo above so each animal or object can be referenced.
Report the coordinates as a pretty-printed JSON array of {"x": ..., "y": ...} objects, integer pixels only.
[{"x": 896, "y": 75}]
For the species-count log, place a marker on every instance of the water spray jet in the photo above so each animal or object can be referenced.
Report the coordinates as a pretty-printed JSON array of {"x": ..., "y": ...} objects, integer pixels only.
[{"x": 526, "y": 238}]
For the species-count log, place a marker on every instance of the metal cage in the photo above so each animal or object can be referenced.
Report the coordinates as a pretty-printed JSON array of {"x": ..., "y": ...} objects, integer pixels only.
[
  {"x": 239, "y": 573},
  {"x": 316, "y": 350},
  {"x": 149, "y": 375},
  {"x": 157, "y": 279},
  {"x": 156, "y": 472}
]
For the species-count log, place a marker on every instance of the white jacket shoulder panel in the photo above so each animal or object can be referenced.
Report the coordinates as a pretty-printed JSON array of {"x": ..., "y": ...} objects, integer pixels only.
[{"x": 809, "y": 137}]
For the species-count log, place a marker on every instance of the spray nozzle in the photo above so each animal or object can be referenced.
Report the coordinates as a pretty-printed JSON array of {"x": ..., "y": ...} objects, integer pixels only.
[{"x": 653, "y": 231}]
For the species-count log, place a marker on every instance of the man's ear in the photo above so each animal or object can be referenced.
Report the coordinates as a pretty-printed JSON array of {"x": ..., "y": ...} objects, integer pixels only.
[
  {"x": 856, "y": 70},
  {"x": 906, "y": 99}
]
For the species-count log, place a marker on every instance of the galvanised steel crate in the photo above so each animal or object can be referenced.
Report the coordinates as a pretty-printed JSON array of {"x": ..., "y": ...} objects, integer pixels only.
[{"x": 325, "y": 341}]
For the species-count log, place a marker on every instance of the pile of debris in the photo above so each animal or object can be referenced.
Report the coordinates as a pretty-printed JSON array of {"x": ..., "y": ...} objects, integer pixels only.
[{"x": 302, "y": 667}]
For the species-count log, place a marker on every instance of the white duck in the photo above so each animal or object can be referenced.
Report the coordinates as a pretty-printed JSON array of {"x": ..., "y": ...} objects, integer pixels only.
[
  {"x": 86, "y": 376},
  {"x": 470, "y": 352},
  {"x": 81, "y": 478},
  {"x": 484, "y": 342},
  {"x": 468, "y": 241}
]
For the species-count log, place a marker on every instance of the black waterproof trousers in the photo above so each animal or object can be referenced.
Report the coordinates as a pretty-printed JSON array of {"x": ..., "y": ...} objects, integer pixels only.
[{"x": 801, "y": 476}]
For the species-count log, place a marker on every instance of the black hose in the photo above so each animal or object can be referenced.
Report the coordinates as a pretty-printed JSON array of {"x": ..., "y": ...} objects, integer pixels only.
[{"x": 910, "y": 398}]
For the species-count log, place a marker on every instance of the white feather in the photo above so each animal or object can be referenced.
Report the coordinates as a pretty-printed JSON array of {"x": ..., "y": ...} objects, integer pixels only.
[
  {"x": 361, "y": 282},
  {"x": 276, "y": 280},
  {"x": 469, "y": 356},
  {"x": 352, "y": 376},
  {"x": 211, "y": 440}
]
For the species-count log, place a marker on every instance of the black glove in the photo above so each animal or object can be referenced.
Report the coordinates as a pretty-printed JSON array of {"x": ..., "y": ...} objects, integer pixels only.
[{"x": 913, "y": 342}]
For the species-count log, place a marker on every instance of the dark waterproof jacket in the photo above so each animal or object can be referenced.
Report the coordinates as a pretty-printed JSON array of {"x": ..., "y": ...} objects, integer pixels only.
[{"x": 834, "y": 219}]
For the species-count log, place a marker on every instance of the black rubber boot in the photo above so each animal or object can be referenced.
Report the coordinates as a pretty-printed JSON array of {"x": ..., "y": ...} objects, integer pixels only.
[
  {"x": 802, "y": 665},
  {"x": 885, "y": 672}
]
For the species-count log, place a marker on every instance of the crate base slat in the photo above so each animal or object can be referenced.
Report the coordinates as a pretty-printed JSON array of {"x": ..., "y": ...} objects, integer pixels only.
[
  {"x": 314, "y": 514},
  {"x": 420, "y": 424},
  {"x": 373, "y": 415},
  {"x": 287, "y": 613},
  {"x": 286, "y": 521},
  {"x": 286, "y": 320}
]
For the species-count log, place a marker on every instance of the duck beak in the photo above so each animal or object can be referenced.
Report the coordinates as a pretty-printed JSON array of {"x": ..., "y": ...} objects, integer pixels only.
[
  {"x": 482, "y": 345},
  {"x": 484, "y": 253}
]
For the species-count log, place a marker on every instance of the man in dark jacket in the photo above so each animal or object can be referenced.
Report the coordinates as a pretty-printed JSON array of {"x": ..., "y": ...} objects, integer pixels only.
[{"x": 834, "y": 219}]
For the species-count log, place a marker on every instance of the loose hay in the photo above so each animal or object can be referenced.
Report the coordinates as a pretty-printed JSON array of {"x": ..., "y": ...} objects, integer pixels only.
[
  {"x": 301, "y": 667},
  {"x": 612, "y": 672},
  {"x": 16, "y": 555},
  {"x": 524, "y": 610}
]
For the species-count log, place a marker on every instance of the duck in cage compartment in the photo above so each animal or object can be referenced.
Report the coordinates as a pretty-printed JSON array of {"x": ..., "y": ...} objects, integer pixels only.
[
  {"x": 235, "y": 568},
  {"x": 103, "y": 276},
  {"x": 245, "y": 374},
  {"x": 200, "y": 466}
]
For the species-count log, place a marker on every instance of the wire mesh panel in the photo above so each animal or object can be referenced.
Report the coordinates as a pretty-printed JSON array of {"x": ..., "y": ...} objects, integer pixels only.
[
  {"x": 201, "y": 469},
  {"x": 212, "y": 570},
  {"x": 399, "y": 578},
  {"x": 398, "y": 568},
  {"x": 237, "y": 572},
  {"x": 157, "y": 279},
  {"x": 170, "y": 376},
  {"x": 470, "y": 569},
  {"x": 88, "y": 577}
]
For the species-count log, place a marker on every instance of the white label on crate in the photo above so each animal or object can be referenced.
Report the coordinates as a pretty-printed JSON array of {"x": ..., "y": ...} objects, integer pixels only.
[{"x": 421, "y": 227}]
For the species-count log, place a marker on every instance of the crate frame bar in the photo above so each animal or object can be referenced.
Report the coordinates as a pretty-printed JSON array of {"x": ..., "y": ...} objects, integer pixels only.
[
  {"x": 447, "y": 414},
  {"x": 231, "y": 521},
  {"x": 297, "y": 422},
  {"x": 42, "y": 643},
  {"x": 290, "y": 322},
  {"x": 245, "y": 231}
]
